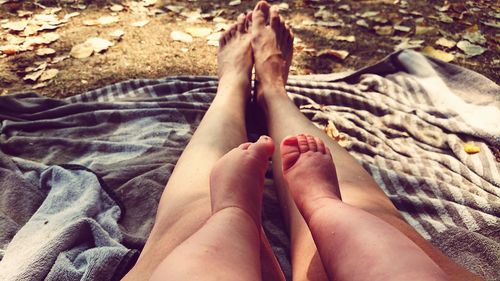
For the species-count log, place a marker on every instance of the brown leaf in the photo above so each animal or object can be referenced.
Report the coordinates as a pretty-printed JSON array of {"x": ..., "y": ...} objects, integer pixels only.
[
  {"x": 39, "y": 85},
  {"x": 117, "y": 34},
  {"x": 340, "y": 54},
  {"x": 33, "y": 76},
  {"x": 116, "y": 8},
  {"x": 49, "y": 74},
  {"x": 99, "y": 44},
  {"x": 45, "y": 52},
  {"x": 140, "y": 23},
  {"x": 181, "y": 36},
  {"x": 15, "y": 26},
  {"x": 105, "y": 20},
  {"x": 199, "y": 31},
  {"x": 446, "y": 42},
  {"x": 349, "y": 38},
  {"x": 383, "y": 30},
  {"x": 82, "y": 51},
  {"x": 9, "y": 49}
]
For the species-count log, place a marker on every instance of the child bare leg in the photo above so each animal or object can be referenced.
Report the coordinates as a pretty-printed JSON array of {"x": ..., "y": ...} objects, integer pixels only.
[
  {"x": 227, "y": 246},
  {"x": 353, "y": 244}
]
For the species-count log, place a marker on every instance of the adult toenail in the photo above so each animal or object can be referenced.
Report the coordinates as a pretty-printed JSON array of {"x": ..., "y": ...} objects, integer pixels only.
[{"x": 264, "y": 138}]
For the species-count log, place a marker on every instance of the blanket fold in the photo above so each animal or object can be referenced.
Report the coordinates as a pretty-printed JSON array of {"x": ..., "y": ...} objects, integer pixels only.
[{"x": 405, "y": 119}]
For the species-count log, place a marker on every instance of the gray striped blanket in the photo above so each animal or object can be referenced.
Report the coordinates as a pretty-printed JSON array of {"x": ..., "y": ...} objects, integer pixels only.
[{"x": 407, "y": 120}]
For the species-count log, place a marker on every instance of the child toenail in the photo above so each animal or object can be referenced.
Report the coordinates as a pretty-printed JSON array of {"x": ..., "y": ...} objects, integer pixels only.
[{"x": 264, "y": 138}]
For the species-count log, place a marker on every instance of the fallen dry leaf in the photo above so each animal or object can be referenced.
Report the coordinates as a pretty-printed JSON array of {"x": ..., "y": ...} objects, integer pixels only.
[
  {"x": 33, "y": 76},
  {"x": 117, "y": 34},
  {"x": 407, "y": 43},
  {"x": 175, "y": 8},
  {"x": 446, "y": 42},
  {"x": 470, "y": 49},
  {"x": 340, "y": 54},
  {"x": 39, "y": 85},
  {"x": 23, "y": 13},
  {"x": 344, "y": 7},
  {"x": 362, "y": 23},
  {"x": 475, "y": 37},
  {"x": 59, "y": 59},
  {"x": 199, "y": 31},
  {"x": 116, "y": 8},
  {"x": 15, "y": 26},
  {"x": 349, "y": 38},
  {"x": 370, "y": 14},
  {"x": 9, "y": 49},
  {"x": 333, "y": 133},
  {"x": 470, "y": 148},
  {"x": 50, "y": 37},
  {"x": 140, "y": 23},
  {"x": 45, "y": 52},
  {"x": 213, "y": 39},
  {"x": 71, "y": 15},
  {"x": 90, "y": 22},
  {"x": 221, "y": 26},
  {"x": 402, "y": 28},
  {"x": 422, "y": 29},
  {"x": 283, "y": 6},
  {"x": 99, "y": 44},
  {"x": 438, "y": 54},
  {"x": 383, "y": 30},
  {"x": 105, "y": 20},
  {"x": 181, "y": 36},
  {"x": 82, "y": 51},
  {"x": 445, "y": 18},
  {"x": 14, "y": 40},
  {"x": 147, "y": 3},
  {"x": 325, "y": 15},
  {"x": 48, "y": 74}
]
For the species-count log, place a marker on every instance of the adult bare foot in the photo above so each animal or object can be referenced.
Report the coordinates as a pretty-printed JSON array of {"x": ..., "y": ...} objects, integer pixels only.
[
  {"x": 309, "y": 172},
  {"x": 237, "y": 179},
  {"x": 234, "y": 58},
  {"x": 272, "y": 44}
]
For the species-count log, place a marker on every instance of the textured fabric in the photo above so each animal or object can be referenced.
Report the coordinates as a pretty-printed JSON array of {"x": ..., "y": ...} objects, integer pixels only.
[
  {"x": 74, "y": 235},
  {"x": 405, "y": 120}
]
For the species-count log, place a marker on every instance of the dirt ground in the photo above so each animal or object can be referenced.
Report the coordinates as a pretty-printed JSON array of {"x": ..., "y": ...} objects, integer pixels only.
[{"x": 150, "y": 52}]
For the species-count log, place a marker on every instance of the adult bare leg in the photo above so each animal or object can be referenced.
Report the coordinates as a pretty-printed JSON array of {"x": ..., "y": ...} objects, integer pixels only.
[
  {"x": 272, "y": 44},
  {"x": 185, "y": 204}
]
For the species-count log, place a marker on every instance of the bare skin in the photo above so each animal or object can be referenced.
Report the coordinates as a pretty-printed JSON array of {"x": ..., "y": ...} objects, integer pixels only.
[
  {"x": 353, "y": 244},
  {"x": 272, "y": 50},
  {"x": 186, "y": 206},
  {"x": 226, "y": 247}
]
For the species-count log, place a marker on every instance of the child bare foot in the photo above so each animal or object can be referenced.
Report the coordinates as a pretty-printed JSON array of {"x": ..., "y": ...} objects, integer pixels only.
[
  {"x": 227, "y": 246},
  {"x": 309, "y": 171},
  {"x": 272, "y": 44},
  {"x": 353, "y": 244}
]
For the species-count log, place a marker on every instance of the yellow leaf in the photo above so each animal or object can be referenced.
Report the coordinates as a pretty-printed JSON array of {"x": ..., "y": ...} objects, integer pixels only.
[
  {"x": 438, "y": 54},
  {"x": 470, "y": 148}
]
